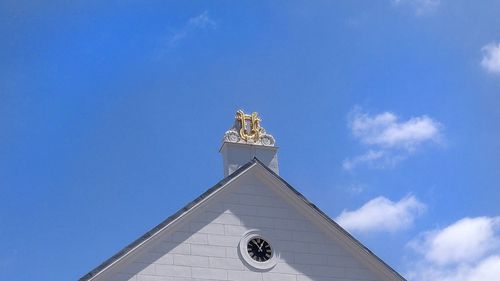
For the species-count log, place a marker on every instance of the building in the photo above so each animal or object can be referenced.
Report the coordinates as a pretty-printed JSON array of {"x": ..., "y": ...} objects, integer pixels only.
[{"x": 252, "y": 225}]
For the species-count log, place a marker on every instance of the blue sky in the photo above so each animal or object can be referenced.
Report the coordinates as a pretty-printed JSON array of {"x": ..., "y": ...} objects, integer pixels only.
[{"x": 112, "y": 114}]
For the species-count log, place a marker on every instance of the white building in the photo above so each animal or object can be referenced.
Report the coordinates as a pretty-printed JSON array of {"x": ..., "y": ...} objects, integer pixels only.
[{"x": 251, "y": 226}]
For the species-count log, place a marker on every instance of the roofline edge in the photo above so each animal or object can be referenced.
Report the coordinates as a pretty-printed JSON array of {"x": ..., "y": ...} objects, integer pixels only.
[
  {"x": 164, "y": 224},
  {"x": 332, "y": 222}
]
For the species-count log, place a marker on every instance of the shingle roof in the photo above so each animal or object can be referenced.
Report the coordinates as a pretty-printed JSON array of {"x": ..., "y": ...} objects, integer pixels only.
[{"x": 206, "y": 194}]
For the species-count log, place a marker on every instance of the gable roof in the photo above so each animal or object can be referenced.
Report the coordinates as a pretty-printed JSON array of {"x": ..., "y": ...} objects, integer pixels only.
[{"x": 154, "y": 231}]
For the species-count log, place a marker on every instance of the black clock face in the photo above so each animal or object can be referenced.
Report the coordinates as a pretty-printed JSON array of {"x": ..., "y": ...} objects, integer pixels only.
[{"x": 259, "y": 249}]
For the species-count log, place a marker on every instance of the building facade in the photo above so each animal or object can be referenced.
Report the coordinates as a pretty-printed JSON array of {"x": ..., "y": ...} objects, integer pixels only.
[{"x": 252, "y": 225}]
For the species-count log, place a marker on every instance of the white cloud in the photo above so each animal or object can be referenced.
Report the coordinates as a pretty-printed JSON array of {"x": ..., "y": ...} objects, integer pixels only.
[
  {"x": 382, "y": 214},
  {"x": 421, "y": 7},
  {"x": 389, "y": 139},
  {"x": 464, "y": 241},
  {"x": 467, "y": 250},
  {"x": 374, "y": 158},
  {"x": 487, "y": 269},
  {"x": 355, "y": 189},
  {"x": 369, "y": 157},
  {"x": 201, "y": 21},
  {"x": 491, "y": 58},
  {"x": 384, "y": 130}
]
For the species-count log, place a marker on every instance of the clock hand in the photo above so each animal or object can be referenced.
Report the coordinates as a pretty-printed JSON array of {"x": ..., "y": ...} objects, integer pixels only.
[{"x": 257, "y": 244}]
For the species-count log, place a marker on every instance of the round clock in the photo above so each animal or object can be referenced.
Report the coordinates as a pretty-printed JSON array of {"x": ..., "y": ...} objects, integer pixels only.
[
  {"x": 259, "y": 249},
  {"x": 256, "y": 249}
]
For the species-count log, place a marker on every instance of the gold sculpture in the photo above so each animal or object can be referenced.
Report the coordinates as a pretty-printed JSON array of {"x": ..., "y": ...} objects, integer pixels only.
[{"x": 250, "y": 129}]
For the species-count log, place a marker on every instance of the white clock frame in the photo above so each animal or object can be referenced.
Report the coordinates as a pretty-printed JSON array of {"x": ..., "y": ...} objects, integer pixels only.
[{"x": 266, "y": 265}]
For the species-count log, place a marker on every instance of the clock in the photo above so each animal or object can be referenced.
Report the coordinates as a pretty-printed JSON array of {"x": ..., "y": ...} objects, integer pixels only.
[
  {"x": 259, "y": 249},
  {"x": 256, "y": 250}
]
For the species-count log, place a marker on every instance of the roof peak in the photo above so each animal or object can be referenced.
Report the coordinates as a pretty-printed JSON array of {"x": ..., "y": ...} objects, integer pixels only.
[{"x": 310, "y": 208}]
